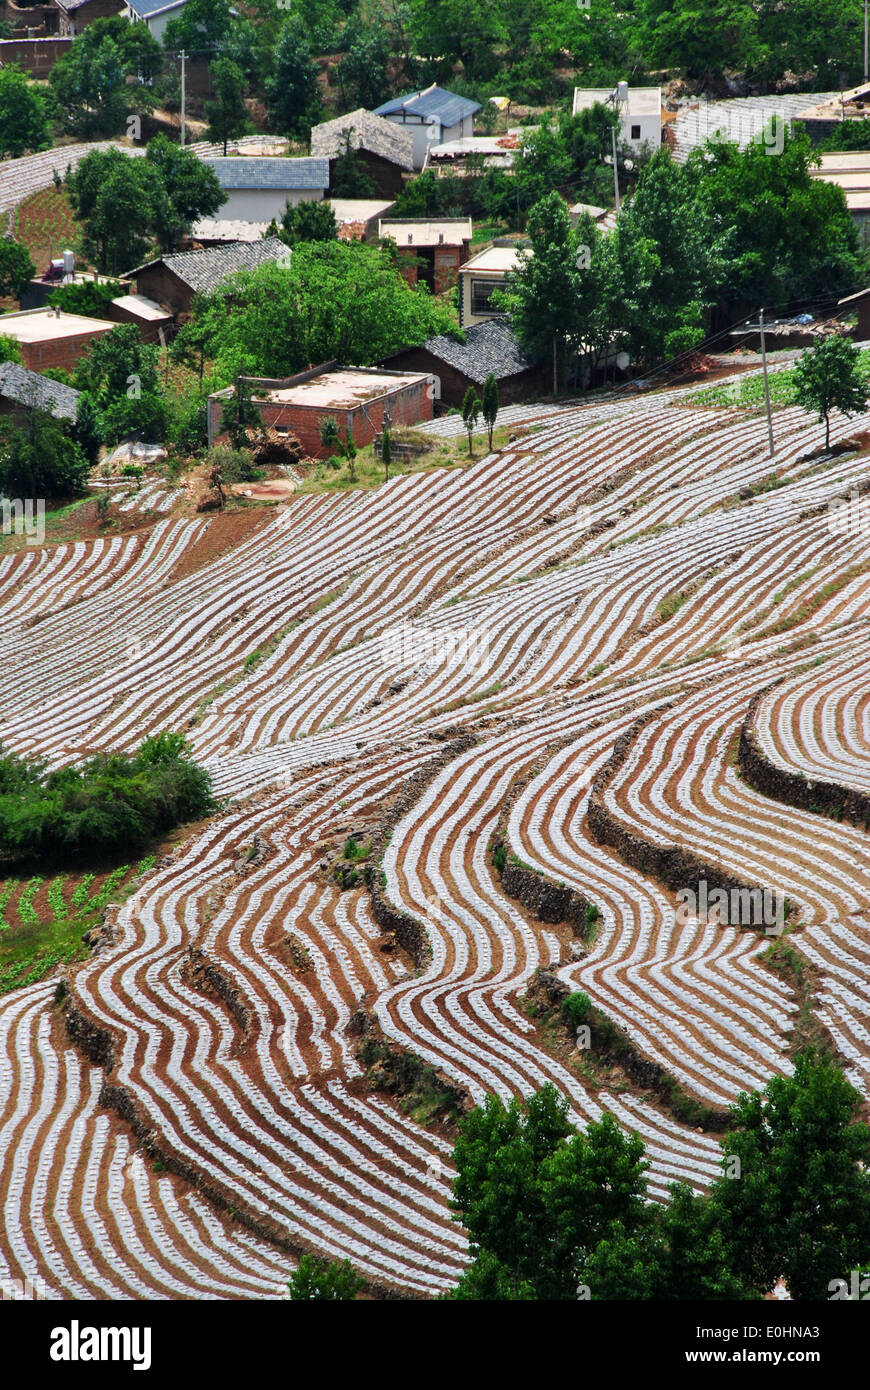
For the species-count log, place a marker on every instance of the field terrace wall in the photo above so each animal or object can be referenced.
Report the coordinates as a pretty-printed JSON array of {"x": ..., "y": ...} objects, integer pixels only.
[
  {"x": 805, "y": 793},
  {"x": 673, "y": 865}
]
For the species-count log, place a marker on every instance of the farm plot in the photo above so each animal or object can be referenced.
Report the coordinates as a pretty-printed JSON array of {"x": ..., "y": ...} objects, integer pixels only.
[{"x": 565, "y": 649}]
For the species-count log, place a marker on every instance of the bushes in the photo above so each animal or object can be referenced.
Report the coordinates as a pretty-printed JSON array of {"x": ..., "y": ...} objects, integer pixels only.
[{"x": 100, "y": 809}]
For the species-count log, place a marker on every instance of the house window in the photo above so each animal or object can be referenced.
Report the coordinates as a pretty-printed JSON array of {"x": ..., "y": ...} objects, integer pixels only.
[
  {"x": 480, "y": 293},
  {"x": 635, "y": 132}
]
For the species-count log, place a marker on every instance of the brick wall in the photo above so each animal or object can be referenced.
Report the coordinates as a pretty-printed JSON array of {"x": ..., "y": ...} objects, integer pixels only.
[
  {"x": 408, "y": 405},
  {"x": 36, "y": 56},
  {"x": 58, "y": 352},
  {"x": 160, "y": 284}
]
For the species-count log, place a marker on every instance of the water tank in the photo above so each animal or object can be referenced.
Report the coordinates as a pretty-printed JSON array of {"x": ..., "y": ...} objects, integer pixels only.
[
  {"x": 622, "y": 91},
  {"x": 69, "y": 262}
]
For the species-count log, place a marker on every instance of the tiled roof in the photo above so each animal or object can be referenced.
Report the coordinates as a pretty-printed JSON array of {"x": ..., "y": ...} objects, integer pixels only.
[
  {"x": 368, "y": 132},
  {"x": 488, "y": 347},
  {"x": 38, "y": 392},
  {"x": 435, "y": 103},
  {"x": 243, "y": 171},
  {"x": 203, "y": 271}
]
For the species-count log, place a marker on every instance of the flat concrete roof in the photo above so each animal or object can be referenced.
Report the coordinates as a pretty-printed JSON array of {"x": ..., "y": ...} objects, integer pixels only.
[
  {"x": 358, "y": 209},
  {"x": 495, "y": 259},
  {"x": 142, "y": 307},
  {"x": 447, "y": 231},
  {"x": 642, "y": 101},
  {"x": 343, "y": 389},
  {"x": 45, "y": 325}
]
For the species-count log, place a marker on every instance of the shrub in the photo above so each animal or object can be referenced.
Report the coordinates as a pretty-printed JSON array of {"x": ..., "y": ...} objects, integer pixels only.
[
  {"x": 100, "y": 808},
  {"x": 576, "y": 1008}
]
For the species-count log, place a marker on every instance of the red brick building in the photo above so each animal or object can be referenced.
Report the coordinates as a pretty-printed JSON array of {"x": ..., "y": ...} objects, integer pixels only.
[
  {"x": 76, "y": 15},
  {"x": 51, "y": 337},
  {"x": 432, "y": 249},
  {"x": 356, "y": 398}
]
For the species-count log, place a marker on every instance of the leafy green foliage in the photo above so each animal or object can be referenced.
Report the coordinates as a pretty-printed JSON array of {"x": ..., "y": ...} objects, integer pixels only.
[
  {"x": 829, "y": 377},
  {"x": 226, "y": 113},
  {"x": 308, "y": 221},
  {"x": 16, "y": 267},
  {"x": 324, "y": 1279},
  {"x": 120, "y": 374},
  {"x": 489, "y": 404},
  {"x": 10, "y": 349},
  {"x": 101, "y": 807},
  {"x": 293, "y": 94},
  {"x": 335, "y": 300},
  {"x": 24, "y": 126},
  {"x": 39, "y": 459},
  {"x": 89, "y": 297},
  {"x": 90, "y": 84}
]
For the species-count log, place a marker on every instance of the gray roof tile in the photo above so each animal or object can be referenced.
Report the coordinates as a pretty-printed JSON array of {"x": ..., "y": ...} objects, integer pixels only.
[
  {"x": 253, "y": 171},
  {"x": 369, "y": 132},
  {"x": 203, "y": 271},
  {"x": 38, "y": 392},
  {"x": 488, "y": 347}
]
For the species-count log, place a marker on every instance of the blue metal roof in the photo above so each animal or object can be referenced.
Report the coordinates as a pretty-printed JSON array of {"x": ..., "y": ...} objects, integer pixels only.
[
  {"x": 243, "y": 171},
  {"x": 144, "y": 8},
  {"x": 435, "y": 103}
]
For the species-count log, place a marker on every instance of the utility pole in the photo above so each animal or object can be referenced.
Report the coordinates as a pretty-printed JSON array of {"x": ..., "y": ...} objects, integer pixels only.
[
  {"x": 865, "y": 42},
  {"x": 766, "y": 385},
  {"x": 183, "y": 60},
  {"x": 615, "y": 166}
]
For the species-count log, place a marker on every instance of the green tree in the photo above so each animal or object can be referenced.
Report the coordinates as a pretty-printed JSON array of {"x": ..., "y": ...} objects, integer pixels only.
[
  {"x": 800, "y": 1207},
  {"x": 24, "y": 125},
  {"x": 829, "y": 377},
  {"x": 308, "y": 221},
  {"x": 88, "y": 429},
  {"x": 39, "y": 459},
  {"x": 334, "y": 300},
  {"x": 240, "y": 416},
  {"x": 202, "y": 26},
  {"x": 324, "y": 1279},
  {"x": 349, "y": 177},
  {"x": 293, "y": 94},
  {"x": 120, "y": 374},
  {"x": 10, "y": 349},
  {"x": 543, "y": 295},
  {"x": 489, "y": 404},
  {"x": 187, "y": 190},
  {"x": 470, "y": 411},
  {"x": 226, "y": 113},
  {"x": 90, "y": 81},
  {"x": 16, "y": 268},
  {"x": 113, "y": 196},
  {"x": 363, "y": 68},
  {"x": 386, "y": 453},
  {"x": 89, "y": 297}
]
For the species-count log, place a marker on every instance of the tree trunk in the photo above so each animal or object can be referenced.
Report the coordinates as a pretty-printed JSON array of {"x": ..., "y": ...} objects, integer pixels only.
[
  {"x": 827, "y": 432},
  {"x": 555, "y": 367}
]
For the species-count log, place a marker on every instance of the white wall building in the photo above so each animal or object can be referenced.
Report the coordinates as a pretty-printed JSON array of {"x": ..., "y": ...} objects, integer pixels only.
[{"x": 640, "y": 115}]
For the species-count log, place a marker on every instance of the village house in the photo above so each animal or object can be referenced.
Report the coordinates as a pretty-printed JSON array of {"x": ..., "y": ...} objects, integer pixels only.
[
  {"x": 483, "y": 274},
  {"x": 384, "y": 149},
  {"x": 851, "y": 172},
  {"x": 155, "y": 13},
  {"x": 22, "y": 391},
  {"x": 431, "y": 249},
  {"x": 76, "y": 15},
  {"x": 51, "y": 337},
  {"x": 639, "y": 108},
  {"x": 431, "y": 117},
  {"x": 357, "y": 398},
  {"x": 258, "y": 189},
  {"x": 172, "y": 281},
  {"x": 489, "y": 347}
]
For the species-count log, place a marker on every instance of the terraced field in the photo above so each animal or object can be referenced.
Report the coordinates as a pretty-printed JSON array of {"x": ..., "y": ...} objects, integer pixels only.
[{"x": 627, "y": 649}]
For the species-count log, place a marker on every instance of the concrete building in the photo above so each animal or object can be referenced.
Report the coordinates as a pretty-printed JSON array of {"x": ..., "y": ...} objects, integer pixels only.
[
  {"x": 640, "y": 115},
  {"x": 851, "y": 172},
  {"x": 479, "y": 277},
  {"x": 821, "y": 119},
  {"x": 155, "y": 13},
  {"x": 432, "y": 249},
  {"x": 52, "y": 338},
  {"x": 172, "y": 281},
  {"x": 22, "y": 391},
  {"x": 382, "y": 147},
  {"x": 431, "y": 117},
  {"x": 356, "y": 398},
  {"x": 489, "y": 347},
  {"x": 259, "y": 189}
]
